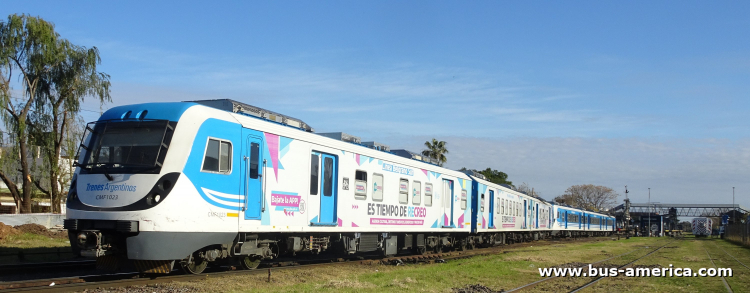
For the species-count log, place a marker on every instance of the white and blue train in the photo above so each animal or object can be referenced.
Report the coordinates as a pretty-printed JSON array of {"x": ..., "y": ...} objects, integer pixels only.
[{"x": 191, "y": 183}]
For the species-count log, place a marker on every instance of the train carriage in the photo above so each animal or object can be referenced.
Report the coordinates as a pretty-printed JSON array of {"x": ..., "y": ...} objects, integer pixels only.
[
  {"x": 186, "y": 184},
  {"x": 166, "y": 182}
]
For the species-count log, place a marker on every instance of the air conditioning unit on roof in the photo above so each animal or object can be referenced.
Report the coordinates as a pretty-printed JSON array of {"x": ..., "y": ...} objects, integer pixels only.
[{"x": 342, "y": 137}]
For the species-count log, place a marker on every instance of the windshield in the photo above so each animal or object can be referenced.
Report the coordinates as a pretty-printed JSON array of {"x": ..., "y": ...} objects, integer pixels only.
[{"x": 126, "y": 146}]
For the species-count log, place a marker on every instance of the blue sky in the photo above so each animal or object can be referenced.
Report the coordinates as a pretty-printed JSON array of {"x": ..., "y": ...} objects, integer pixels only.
[{"x": 553, "y": 93}]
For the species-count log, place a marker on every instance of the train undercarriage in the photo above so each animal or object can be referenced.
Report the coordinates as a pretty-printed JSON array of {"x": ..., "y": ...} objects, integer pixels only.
[{"x": 248, "y": 250}]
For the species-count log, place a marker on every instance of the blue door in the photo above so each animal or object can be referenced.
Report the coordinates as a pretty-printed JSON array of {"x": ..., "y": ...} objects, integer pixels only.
[
  {"x": 253, "y": 174},
  {"x": 492, "y": 209},
  {"x": 329, "y": 190}
]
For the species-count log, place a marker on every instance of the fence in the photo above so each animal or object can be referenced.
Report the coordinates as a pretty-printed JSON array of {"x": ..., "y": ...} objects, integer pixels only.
[
  {"x": 739, "y": 232},
  {"x": 46, "y": 220}
]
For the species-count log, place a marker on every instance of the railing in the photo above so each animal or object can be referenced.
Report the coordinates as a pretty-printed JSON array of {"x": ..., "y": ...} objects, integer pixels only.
[{"x": 739, "y": 233}]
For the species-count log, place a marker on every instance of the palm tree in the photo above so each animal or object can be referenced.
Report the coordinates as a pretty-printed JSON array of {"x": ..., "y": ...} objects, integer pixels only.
[{"x": 436, "y": 150}]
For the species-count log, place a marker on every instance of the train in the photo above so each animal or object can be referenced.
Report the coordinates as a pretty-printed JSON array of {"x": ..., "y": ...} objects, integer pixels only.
[
  {"x": 173, "y": 185},
  {"x": 702, "y": 227}
]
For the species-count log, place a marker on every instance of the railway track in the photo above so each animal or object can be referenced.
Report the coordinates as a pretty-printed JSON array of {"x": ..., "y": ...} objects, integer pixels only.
[
  {"x": 596, "y": 279},
  {"x": 26, "y": 268},
  {"x": 723, "y": 280},
  {"x": 737, "y": 260},
  {"x": 133, "y": 279}
]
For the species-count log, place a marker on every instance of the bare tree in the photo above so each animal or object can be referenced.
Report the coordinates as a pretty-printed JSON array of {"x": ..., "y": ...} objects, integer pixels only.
[
  {"x": 524, "y": 187},
  {"x": 589, "y": 196}
]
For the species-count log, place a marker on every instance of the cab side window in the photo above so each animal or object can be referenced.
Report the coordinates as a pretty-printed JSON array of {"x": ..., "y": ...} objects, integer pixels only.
[{"x": 218, "y": 156}]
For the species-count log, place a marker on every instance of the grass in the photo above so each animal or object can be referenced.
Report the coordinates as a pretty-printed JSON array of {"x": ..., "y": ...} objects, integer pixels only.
[
  {"x": 688, "y": 253},
  {"x": 507, "y": 270},
  {"x": 34, "y": 248}
]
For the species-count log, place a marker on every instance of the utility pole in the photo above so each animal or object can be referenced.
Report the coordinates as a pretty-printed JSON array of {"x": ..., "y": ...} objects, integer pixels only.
[
  {"x": 649, "y": 212},
  {"x": 626, "y": 214},
  {"x": 734, "y": 210}
]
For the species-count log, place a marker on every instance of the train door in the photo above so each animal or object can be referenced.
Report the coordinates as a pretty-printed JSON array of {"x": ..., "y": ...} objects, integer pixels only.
[
  {"x": 549, "y": 218},
  {"x": 492, "y": 209},
  {"x": 328, "y": 190},
  {"x": 253, "y": 177},
  {"x": 580, "y": 220},
  {"x": 525, "y": 214},
  {"x": 447, "y": 204},
  {"x": 565, "y": 218},
  {"x": 536, "y": 209}
]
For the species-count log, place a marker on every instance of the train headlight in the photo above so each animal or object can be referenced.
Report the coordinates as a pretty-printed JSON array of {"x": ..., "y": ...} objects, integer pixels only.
[
  {"x": 82, "y": 239},
  {"x": 157, "y": 198}
]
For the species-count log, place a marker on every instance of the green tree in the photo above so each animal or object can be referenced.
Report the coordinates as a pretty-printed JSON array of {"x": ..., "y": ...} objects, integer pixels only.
[
  {"x": 496, "y": 176},
  {"x": 493, "y": 176},
  {"x": 54, "y": 76},
  {"x": 436, "y": 150}
]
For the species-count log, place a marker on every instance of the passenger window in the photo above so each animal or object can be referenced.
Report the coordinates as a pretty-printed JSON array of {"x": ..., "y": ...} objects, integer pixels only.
[
  {"x": 463, "y": 199},
  {"x": 481, "y": 206},
  {"x": 328, "y": 177},
  {"x": 416, "y": 196},
  {"x": 218, "y": 156},
  {"x": 428, "y": 194},
  {"x": 254, "y": 160},
  {"x": 503, "y": 206},
  {"x": 403, "y": 191},
  {"x": 360, "y": 184},
  {"x": 377, "y": 187},
  {"x": 497, "y": 208},
  {"x": 314, "y": 169}
]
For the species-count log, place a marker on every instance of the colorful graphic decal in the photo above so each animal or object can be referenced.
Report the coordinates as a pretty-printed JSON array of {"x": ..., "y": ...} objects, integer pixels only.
[
  {"x": 384, "y": 221},
  {"x": 272, "y": 141},
  {"x": 288, "y": 202},
  {"x": 398, "y": 169},
  {"x": 278, "y": 146},
  {"x": 402, "y": 213},
  {"x": 361, "y": 159}
]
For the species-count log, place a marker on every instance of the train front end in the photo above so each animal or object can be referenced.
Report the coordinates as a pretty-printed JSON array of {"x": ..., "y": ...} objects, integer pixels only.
[{"x": 120, "y": 182}]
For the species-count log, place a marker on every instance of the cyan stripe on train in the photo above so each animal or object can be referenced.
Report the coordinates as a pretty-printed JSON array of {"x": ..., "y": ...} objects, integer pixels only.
[{"x": 224, "y": 183}]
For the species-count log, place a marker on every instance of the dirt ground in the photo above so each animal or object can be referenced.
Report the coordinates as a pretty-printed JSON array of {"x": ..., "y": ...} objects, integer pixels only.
[
  {"x": 40, "y": 230},
  {"x": 6, "y": 230}
]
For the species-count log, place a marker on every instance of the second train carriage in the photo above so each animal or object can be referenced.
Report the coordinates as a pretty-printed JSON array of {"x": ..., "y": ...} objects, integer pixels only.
[{"x": 197, "y": 182}]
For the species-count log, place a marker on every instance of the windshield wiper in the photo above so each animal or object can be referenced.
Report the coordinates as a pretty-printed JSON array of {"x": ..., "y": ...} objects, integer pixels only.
[{"x": 106, "y": 171}]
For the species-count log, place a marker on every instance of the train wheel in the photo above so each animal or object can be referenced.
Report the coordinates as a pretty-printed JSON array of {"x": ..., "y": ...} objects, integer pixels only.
[
  {"x": 421, "y": 250},
  {"x": 462, "y": 244},
  {"x": 250, "y": 263},
  {"x": 195, "y": 267}
]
